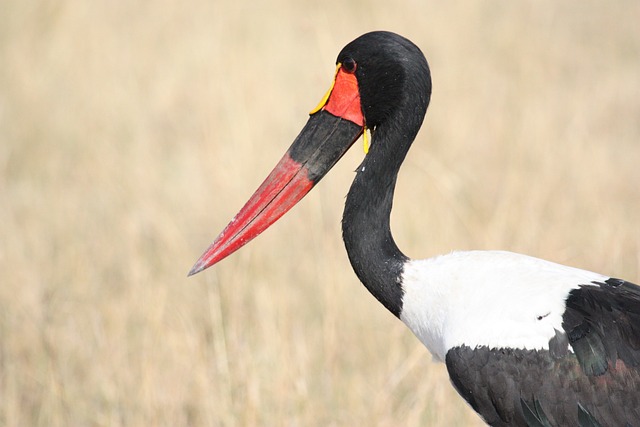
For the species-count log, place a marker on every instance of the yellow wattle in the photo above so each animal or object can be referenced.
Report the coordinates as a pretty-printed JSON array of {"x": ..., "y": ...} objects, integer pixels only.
[{"x": 325, "y": 98}]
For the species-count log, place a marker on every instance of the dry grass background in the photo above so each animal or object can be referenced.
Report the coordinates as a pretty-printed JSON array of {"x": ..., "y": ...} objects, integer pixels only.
[{"x": 131, "y": 132}]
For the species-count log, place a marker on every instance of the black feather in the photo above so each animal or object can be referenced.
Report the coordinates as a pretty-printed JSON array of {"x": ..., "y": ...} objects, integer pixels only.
[
  {"x": 534, "y": 415},
  {"x": 585, "y": 419}
]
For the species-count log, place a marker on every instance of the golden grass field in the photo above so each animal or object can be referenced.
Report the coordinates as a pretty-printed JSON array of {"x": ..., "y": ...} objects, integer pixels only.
[{"x": 131, "y": 132}]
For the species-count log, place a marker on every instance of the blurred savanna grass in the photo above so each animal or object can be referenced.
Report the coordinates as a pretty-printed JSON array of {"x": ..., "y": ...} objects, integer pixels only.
[{"x": 131, "y": 132}]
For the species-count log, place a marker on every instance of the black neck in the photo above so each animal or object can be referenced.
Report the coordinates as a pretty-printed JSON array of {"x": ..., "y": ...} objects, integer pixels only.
[
  {"x": 394, "y": 102},
  {"x": 366, "y": 230}
]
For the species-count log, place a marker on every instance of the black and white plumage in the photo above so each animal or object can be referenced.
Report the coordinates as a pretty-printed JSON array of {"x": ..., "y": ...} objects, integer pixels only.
[
  {"x": 526, "y": 342},
  {"x": 537, "y": 343}
]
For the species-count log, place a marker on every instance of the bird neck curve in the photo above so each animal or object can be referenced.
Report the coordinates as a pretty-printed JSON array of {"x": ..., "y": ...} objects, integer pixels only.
[{"x": 366, "y": 230}]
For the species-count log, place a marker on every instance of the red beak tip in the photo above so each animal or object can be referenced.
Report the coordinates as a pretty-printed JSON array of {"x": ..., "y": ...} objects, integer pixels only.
[{"x": 197, "y": 268}]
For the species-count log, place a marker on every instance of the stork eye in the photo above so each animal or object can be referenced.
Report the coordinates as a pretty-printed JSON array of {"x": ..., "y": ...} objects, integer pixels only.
[{"x": 349, "y": 65}]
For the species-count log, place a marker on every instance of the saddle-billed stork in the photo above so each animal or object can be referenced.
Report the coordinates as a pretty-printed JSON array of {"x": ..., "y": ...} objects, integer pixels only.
[{"x": 526, "y": 342}]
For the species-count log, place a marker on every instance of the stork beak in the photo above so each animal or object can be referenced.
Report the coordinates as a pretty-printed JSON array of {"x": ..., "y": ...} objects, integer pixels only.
[{"x": 335, "y": 124}]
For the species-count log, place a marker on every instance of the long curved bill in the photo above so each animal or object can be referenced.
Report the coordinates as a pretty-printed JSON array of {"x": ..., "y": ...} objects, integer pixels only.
[{"x": 333, "y": 127}]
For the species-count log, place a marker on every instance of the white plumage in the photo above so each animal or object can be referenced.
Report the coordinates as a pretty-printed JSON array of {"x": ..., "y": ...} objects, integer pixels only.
[{"x": 496, "y": 299}]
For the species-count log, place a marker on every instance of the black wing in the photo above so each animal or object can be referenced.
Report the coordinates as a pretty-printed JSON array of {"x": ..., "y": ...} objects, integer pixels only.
[{"x": 596, "y": 384}]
